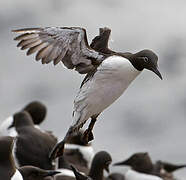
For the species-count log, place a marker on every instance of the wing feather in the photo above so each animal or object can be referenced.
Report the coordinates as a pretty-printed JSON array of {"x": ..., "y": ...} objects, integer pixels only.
[{"x": 56, "y": 44}]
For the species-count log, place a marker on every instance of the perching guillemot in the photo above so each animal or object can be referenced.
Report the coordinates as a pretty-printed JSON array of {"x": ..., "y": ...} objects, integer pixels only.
[
  {"x": 100, "y": 162},
  {"x": 8, "y": 169},
  {"x": 108, "y": 75},
  {"x": 78, "y": 153},
  {"x": 142, "y": 163},
  {"x": 32, "y": 146},
  {"x": 36, "y": 109}
]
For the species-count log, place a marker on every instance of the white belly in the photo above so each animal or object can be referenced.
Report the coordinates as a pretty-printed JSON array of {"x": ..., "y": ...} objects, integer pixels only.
[
  {"x": 4, "y": 128},
  {"x": 17, "y": 176},
  {"x": 133, "y": 175},
  {"x": 112, "y": 78}
]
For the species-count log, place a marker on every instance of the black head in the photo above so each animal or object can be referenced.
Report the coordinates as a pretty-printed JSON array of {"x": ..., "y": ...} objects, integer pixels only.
[
  {"x": 37, "y": 110},
  {"x": 22, "y": 119},
  {"x": 140, "y": 162},
  {"x": 80, "y": 176},
  {"x": 102, "y": 160},
  {"x": 145, "y": 59},
  {"x": 6, "y": 145},
  {"x": 34, "y": 173}
]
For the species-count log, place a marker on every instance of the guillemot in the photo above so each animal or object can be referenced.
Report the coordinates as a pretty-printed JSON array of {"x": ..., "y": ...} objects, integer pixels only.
[
  {"x": 78, "y": 153},
  {"x": 8, "y": 169},
  {"x": 108, "y": 75},
  {"x": 36, "y": 109},
  {"x": 100, "y": 162},
  {"x": 32, "y": 146},
  {"x": 142, "y": 163}
]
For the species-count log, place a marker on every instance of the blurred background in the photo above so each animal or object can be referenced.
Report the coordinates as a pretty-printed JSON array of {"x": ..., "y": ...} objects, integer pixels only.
[{"x": 150, "y": 116}]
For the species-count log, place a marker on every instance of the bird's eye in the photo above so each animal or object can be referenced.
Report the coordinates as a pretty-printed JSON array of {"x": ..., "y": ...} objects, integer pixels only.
[{"x": 146, "y": 59}]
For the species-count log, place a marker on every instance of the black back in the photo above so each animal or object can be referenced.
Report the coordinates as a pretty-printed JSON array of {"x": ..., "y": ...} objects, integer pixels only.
[
  {"x": 33, "y": 146},
  {"x": 7, "y": 166}
]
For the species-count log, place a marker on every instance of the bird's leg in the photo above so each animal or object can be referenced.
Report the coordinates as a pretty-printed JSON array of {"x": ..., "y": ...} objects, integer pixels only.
[
  {"x": 58, "y": 149},
  {"x": 88, "y": 135}
]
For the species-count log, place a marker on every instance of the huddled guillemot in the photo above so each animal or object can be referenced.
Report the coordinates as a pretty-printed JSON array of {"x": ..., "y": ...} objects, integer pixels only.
[
  {"x": 78, "y": 153},
  {"x": 36, "y": 109},
  {"x": 108, "y": 75},
  {"x": 142, "y": 163},
  {"x": 32, "y": 146},
  {"x": 8, "y": 169},
  {"x": 100, "y": 162}
]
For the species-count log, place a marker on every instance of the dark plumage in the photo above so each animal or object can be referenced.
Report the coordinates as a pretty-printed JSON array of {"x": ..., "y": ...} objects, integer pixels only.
[
  {"x": 141, "y": 162},
  {"x": 8, "y": 169},
  {"x": 32, "y": 145},
  {"x": 7, "y": 166},
  {"x": 77, "y": 153},
  {"x": 34, "y": 173}
]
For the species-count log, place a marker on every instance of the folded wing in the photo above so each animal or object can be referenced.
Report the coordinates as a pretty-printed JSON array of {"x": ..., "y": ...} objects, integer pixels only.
[{"x": 57, "y": 44}]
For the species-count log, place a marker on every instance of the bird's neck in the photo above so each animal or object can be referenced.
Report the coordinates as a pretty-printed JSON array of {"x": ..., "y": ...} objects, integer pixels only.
[{"x": 96, "y": 172}]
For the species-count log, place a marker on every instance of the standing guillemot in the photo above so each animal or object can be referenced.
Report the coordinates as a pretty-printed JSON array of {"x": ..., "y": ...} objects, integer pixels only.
[
  {"x": 8, "y": 169},
  {"x": 142, "y": 163},
  {"x": 78, "y": 153},
  {"x": 32, "y": 146},
  {"x": 36, "y": 109},
  {"x": 108, "y": 75},
  {"x": 100, "y": 162}
]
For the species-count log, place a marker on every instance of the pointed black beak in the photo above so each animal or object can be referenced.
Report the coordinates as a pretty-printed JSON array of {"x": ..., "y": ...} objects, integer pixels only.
[
  {"x": 78, "y": 175},
  {"x": 50, "y": 173},
  {"x": 126, "y": 162},
  {"x": 157, "y": 72}
]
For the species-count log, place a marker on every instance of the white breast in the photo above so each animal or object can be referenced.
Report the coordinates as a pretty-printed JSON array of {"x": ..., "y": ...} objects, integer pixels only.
[
  {"x": 133, "y": 175},
  {"x": 17, "y": 176},
  {"x": 86, "y": 151},
  {"x": 4, "y": 131},
  {"x": 112, "y": 78},
  {"x": 65, "y": 172}
]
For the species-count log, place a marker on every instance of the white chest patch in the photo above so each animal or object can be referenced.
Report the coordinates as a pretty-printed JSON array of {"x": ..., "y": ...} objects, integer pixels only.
[
  {"x": 65, "y": 172},
  {"x": 133, "y": 175},
  {"x": 4, "y": 131},
  {"x": 17, "y": 176},
  {"x": 14, "y": 154},
  {"x": 86, "y": 151},
  {"x": 112, "y": 78}
]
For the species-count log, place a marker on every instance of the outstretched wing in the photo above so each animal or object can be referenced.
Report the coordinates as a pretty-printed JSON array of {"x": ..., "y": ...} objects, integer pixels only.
[{"x": 56, "y": 44}]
